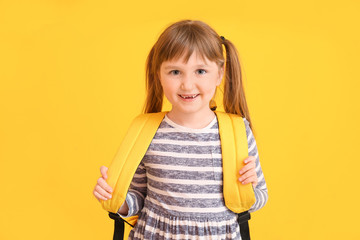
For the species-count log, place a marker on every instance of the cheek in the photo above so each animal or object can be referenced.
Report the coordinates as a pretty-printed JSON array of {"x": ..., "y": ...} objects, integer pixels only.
[
  {"x": 168, "y": 88},
  {"x": 212, "y": 91},
  {"x": 209, "y": 87},
  {"x": 163, "y": 82}
]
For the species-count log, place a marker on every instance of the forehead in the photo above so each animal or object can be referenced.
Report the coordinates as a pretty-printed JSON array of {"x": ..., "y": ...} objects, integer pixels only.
[{"x": 186, "y": 59}]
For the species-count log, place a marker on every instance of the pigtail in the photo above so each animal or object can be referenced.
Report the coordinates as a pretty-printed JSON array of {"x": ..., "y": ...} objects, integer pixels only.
[
  {"x": 154, "y": 91},
  {"x": 234, "y": 95}
]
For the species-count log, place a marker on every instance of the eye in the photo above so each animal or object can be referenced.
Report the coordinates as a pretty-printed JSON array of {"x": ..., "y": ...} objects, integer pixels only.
[
  {"x": 201, "y": 71},
  {"x": 174, "y": 72}
]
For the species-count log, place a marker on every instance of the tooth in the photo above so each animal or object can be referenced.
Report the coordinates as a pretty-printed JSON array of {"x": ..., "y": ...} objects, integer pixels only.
[{"x": 190, "y": 96}]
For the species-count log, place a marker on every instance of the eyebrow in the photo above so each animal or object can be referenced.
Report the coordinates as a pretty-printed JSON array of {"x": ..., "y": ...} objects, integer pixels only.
[{"x": 174, "y": 66}]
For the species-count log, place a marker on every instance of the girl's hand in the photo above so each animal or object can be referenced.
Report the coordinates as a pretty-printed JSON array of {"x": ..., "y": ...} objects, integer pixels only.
[
  {"x": 248, "y": 173},
  {"x": 102, "y": 191}
]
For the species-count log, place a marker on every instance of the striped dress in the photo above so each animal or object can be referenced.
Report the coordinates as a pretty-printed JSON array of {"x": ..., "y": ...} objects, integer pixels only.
[{"x": 177, "y": 190}]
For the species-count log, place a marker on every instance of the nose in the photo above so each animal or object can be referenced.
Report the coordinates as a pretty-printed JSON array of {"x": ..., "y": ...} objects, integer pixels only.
[{"x": 187, "y": 83}]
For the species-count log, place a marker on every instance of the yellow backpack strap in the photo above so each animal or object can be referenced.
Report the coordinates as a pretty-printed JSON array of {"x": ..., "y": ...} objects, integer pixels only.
[
  {"x": 234, "y": 148},
  {"x": 128, "y": 157}
]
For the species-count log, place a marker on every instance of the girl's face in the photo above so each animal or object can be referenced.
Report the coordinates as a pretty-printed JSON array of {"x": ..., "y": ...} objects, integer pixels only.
[{"x": 189, "y": 86}]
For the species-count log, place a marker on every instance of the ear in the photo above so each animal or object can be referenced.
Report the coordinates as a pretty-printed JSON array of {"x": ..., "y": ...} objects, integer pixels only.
[{"x": 221, "y": 75}]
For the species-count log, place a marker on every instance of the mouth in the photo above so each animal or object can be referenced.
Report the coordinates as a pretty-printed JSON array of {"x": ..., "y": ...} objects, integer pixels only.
[{"x": 188, "y": 96}]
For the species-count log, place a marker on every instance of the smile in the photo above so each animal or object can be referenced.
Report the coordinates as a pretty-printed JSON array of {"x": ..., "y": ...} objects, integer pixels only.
[{"x": 189, "y": 96}]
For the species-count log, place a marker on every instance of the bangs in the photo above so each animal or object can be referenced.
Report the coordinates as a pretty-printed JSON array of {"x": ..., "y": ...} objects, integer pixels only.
[{"x": 187, "y": 39}]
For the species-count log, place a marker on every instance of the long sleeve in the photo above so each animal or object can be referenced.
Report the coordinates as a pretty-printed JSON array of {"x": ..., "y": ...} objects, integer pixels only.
[
  {"x": 137, "y": 191},
  {"x": 261, "y": 191}
]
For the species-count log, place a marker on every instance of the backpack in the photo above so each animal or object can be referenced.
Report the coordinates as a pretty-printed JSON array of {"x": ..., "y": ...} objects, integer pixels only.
[{"x": 238, "y": 197}]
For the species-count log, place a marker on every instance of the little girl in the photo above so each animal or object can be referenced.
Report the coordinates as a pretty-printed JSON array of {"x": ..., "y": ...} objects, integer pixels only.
[{"x": 177, "y": 190}]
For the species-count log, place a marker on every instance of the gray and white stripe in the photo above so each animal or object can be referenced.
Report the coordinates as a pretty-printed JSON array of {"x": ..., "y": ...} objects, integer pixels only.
[{"x": 177, "y": 189}]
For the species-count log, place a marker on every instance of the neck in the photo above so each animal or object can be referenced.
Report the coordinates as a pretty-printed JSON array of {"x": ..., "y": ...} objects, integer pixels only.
[{"x": 192, "y": 120}]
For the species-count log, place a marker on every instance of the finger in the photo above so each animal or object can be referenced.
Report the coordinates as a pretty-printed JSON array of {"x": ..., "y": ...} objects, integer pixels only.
[
  {"x": 103, "y": 184},
  {"x": 249, "y": 159},
  {"x": 98, "y": 196},
  {"x": 247, "y": 167},
  {"x": 249, "y": 163},
  {"x": 251, "y": 179},
  {"x": 247, "y": 175},
  {"x": 102, "y": 192},
  {"x": 103, "y": 170}
]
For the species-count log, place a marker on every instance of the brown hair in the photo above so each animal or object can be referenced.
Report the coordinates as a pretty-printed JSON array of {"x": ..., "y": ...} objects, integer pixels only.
[{"x": 185, "y": 37}]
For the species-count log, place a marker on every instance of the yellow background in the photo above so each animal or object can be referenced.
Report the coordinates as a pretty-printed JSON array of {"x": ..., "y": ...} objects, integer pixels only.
[{"x": 72, "y": 78}]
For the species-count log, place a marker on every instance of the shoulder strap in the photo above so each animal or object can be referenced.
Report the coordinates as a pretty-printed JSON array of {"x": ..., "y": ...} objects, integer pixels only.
[
  {"x": 238, "y": 197},
  {"x": 133, "y": 147},
  {"x": 234, "y": 147}
]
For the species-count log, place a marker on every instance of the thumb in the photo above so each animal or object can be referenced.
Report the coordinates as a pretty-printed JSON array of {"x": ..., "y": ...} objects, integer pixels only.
[{"x": 103, "y": 170}]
